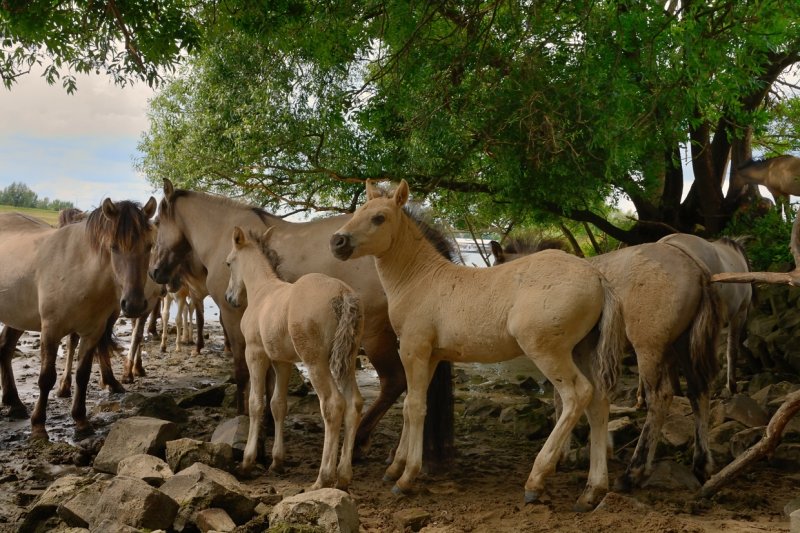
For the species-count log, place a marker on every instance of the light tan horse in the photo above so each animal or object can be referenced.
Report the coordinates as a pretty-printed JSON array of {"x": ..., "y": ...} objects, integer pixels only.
[
  {"x": 672, "y": 321},
  {"x": 723, "y": 255},
  {"x": 780, "y": 175},
  {"x": 70, "y": 280},
  {"x": 542, "y": 306},
  {"x": 317, "y": 320},
  {"x": 184, "y": 226}
]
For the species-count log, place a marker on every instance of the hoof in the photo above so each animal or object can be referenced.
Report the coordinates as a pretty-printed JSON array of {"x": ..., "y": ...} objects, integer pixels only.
[
  {"x": 127, "y": 379},
  {"x": 64, "y": 393},
  {"x": 83, "y": 432},
  {"x": 39, "y": 435},
  {"x": 397, "y": 491},
  {"x": 535, "y": 497},
  {"x": 623, "y": 484},
  {"x": 18, "y": 412},
  {"x": 277, "y": 468},
  {"x": 388, "y": 479}
]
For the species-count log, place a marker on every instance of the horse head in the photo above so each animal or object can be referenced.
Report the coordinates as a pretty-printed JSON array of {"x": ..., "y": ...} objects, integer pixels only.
[
  {"x": 370, "y": 230},
  {"x": 123, "y": 230},
  {"x": 172, "y": 247},
  {"x": 235, "y": 294}
]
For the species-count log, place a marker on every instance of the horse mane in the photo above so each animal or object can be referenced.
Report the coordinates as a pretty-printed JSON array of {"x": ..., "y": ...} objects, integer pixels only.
[
  {"x": 267, "y": 251},
  {"x": 166, "y": 209},
  {"x": 435, "y": 236},
  {"x": 737, "y": 243},
  {"x": 70, "y": 215},
  {"x": 750, "y": 163},
  {"x": 123, "y": 231},
  {"x": 531, "y": 245}
]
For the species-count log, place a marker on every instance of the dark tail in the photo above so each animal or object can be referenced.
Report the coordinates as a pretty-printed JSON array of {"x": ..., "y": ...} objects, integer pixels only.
[
  {"x": 703, "y": 337},
  {"x": 347, "y": 338},
  {"x": 612, "y": 341}
]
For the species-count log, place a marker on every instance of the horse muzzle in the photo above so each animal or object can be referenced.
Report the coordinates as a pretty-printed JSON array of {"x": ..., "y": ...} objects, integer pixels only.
[
  {"x": 341, "y": 246},
  {"x": 133, "y": 306}
]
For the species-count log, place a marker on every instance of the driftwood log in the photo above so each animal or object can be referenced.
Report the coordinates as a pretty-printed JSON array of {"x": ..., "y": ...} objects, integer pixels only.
[{"x": 790, "y": 406}]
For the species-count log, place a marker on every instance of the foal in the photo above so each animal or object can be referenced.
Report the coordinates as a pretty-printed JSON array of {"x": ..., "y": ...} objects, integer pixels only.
[{"x": 318, "y": 320}]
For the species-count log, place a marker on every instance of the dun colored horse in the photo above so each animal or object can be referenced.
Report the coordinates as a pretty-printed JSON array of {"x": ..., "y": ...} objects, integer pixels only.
[
  {"x": 542, "y": 306},
  {"x": 672, "y": 321},
  {"x": 723, "y": 255},
  {"x": 317, "y": 320},
  {"x": 780, "y": 175},
  {"x": 69, "y": 280},
  {"x": 185, "y": 225}
]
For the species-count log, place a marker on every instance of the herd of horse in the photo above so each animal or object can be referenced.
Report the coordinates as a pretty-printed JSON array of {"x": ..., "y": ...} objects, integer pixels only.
[{"x": 383, "y": 281}]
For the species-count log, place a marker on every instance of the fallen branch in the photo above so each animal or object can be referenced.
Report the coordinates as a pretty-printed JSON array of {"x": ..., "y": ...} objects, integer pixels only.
[
  {"x": 789, "y": 278},
  {"x": 764, "y": 447}
]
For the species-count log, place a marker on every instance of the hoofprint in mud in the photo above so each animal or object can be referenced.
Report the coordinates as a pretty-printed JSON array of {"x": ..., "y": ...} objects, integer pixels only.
[{"x": 502, "y": 421}]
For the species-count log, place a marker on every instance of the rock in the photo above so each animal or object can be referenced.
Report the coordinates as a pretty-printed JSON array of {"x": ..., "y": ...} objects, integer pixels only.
[
  {"x": 413, "y": 519},
  {"x": 773, "y": 392},
  {"x": 183, "y": 453},
  {"x": 613, "y": 502},
  {"x": 214, "y": 519},
  {"x": 131, "y": 436},
  {"x": 208, "y": 397},
  {"x": 148, "y": 468},
  {"x": 133, "y": 502},
  {"x": 678, "y": 430},
  {"x": 108, "y": 525},
  {"x": 791, "y": 506},
  {"x": 787, "y": 456},
  {"x": 719, "y": 440},
  {"x": 47, "y": 502},
  {"x": 669, "y": 475},
  {"x": 482, "y": 407},
  {"x": 794, "y": 522},
  {"x": 79, "y": 510},
  {"x": 307, "y": 405},
  {"x": 742, "y": 440},
  {"x": 529, "y": 384},
  {"x": 759, "y": 381},
  {"x": 330, "y": 509},
  {"x": 162, "y": 406},
  {"x": 744, "y": 409},
  {"x": 201, "y": 486},
  {"x": 234, "y": 433}
]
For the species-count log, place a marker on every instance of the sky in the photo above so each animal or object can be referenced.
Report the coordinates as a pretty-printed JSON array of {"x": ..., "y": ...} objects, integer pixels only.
[{"x": 78, "y": 148}]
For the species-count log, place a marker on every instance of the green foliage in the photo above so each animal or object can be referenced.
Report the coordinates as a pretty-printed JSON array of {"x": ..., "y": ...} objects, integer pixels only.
[
  {"x": 767, "y": 237},
  {"x": 20, "y": 195}
]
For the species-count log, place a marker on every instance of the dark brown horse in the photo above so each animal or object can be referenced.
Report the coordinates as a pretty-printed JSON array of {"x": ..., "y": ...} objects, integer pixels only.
[
  {"x": 203, "y": 223},
  {"x": 69, "y": 280}
]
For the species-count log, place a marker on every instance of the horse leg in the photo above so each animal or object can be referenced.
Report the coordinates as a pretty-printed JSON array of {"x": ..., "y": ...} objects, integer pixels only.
[
  {"x": 103, "y": 354},
  {"x": 8, "y": 343},
  {"x": 65, "y": 385},
  {"x": 180, "y": 324},
  {"x": 735, "y": 328},
  {"x": 166, "y": 302},
  {"x": 698, "y": 392},
  {"x": 151, "y": 324},
  {"x": 419, "y": 368},
  {"x": 187, "y": 324},
  {"x": 200, "y": 315},
  {"x": 133, "y": 363},
  {"x": 47, "y": 379},
  {"x": 258, "y": 362},
  {"x": 277, "y": 405},
  {"x": 382, "y": 353},
  {"x": 658, "y": 393},
  {"x": 82, "y": 373},
  {"x": 332, "y": 407},
  {"x": 353, "y": 404},
  {"x": 241, "y": 374},
  {"x": 576, "y": 393},
  {"x": 597, "y": 483}
]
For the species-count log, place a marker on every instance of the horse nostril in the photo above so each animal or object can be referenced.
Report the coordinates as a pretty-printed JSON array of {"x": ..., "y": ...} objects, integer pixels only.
[{"x": 338, "y": 241}]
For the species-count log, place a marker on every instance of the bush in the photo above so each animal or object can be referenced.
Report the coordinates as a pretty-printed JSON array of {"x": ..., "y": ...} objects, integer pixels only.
[{"x": 767, "y": 239}]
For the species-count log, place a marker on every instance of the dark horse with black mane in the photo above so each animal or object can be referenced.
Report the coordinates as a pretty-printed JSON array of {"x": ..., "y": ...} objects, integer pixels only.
[{"x": 202, "y": 223}]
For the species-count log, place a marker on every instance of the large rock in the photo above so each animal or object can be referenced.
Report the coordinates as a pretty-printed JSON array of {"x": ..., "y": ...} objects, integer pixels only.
[
  {"x": 59, "y": 491},
  {"x": 413, "y": 519},
  {"x": 183, "y": 453},
  {"x": 162, "y": 406},
  {"x": 149, "y": 468},
  {"x": 80, "y": 509},
  {"x": 133, "y": 502},
  {"x": 131, "y": 436},
  {"x": 794, "y": 522},
  {"x": 744, "y": 409},
  {"x": 742, "y": 440},
  {"x": 670, "y": 475},
  {"x": 214, "y": 519},
  {"x": 719, "y": 439},
  {"x": 233, "y": 432},
  {"x": 678, "y": 430},
  {"x": 201, "y": 486},
  {"x": 208, "y": 397},
  {"x": 330, "y": 509}
]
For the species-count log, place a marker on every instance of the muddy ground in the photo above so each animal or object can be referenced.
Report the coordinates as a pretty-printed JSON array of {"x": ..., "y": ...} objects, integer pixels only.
[{"x": 482, "y": 491}]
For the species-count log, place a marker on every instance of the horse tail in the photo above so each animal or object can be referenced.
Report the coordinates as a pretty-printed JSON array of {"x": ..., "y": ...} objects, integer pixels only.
[
  {"x": 347, "y": 337},
  {"x": 703, "y": 335},
  {"x": 612, "y": 341}
]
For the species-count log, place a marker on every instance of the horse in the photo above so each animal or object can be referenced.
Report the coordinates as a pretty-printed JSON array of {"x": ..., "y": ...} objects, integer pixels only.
[
  {"x": 543, "y": 306},
  {"x": 70, "y": 280},
  {"x": 317, "y": 320},
  {"x": 189, "y": 298},
  {"x": 672, "y": 320},
  {"x": 780, "y": 175},
  {"x": 723, "y": 255},
  {"x": 184, "y": 226}
]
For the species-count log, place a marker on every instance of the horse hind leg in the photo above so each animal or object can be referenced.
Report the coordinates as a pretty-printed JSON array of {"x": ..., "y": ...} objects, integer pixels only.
[
  {"x": 200, "y": 317},
  {"x": 10, "y": 398},
  {"x": 166, "y": 302},
  {"x": 353, "y": 405},
  {"x": 332, "y": 408},
  {"x": 278, "y": 407},
  {"x": 597, "y": 483},
  {"x": 65, "y": 384},
  {"x": 257, "y": 363}
]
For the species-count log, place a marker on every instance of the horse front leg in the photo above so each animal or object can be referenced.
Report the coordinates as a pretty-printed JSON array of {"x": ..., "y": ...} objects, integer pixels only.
[
  {"x": 419, "y": 368},
  {"x": 65, "y": 384},
  {"x": 47, "y": 379},
  {"x": 8, "y": 343},
  {"x": 200, "y": 316},
  {"x": 82, "y": 374},
  {"x": 278, "y": 406},
  {"x": 154, "y": 314},
  {"x": 258, "y": 363},
  {"x": 231, "y": 325}
]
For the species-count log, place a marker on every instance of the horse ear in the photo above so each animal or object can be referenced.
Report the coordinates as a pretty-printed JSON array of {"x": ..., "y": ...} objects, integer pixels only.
[
  {"x": 109, "y": 209},
  {"x": 401, "y": 193},
  {"x": 372, "y": 190},
  {"x": 267, "y": 234},
  {"x": 150, "y": 208},
  {"x": 169, "y": 189},
  {"x": 238, "y": 237},
  {"x": 497, "y": 252}
]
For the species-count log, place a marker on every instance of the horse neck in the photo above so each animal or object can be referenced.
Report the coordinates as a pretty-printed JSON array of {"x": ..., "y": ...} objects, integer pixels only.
[
  {"x": 257, "y": 273},
  {"x": 410, "y": 258}
]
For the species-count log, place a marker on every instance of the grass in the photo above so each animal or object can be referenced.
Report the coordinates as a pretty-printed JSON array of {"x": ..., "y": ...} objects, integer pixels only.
[{"x": 51, "y": 217}]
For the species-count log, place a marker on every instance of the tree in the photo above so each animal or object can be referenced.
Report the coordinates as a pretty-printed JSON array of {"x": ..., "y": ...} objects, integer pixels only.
[
  {"x": 18, "y": 195},
  {"x": 127, "y": 40},
  {"x": 509, "y": 109}
]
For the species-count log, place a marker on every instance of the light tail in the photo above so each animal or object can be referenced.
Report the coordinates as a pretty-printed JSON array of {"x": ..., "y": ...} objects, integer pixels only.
[
  {"x": 612, "y": 341},
  {"x": 346, "y": 340}
]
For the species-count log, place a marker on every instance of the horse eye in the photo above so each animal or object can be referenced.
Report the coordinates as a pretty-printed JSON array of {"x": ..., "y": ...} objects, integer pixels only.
[
  {"x": 114, "y": 248},
  {"x": 378, "y": 220},
  {"x": 228, "y": 263}
]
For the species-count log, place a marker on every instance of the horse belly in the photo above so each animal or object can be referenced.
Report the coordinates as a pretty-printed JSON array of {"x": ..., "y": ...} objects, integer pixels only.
[
  {"x": 476, "y": 347},
  {"x": 19, "y": 303}
]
